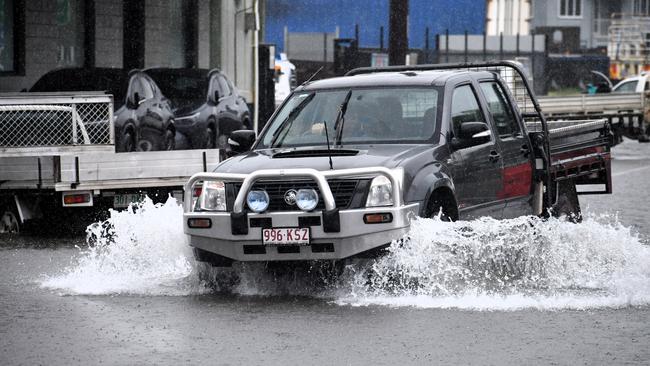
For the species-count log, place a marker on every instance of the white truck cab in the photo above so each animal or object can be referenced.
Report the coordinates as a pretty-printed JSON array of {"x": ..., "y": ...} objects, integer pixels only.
[{"x": 635, "y": 84}]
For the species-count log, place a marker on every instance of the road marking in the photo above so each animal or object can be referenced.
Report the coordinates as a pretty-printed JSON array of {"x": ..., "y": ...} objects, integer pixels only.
[{"x": 631, "y": 171}]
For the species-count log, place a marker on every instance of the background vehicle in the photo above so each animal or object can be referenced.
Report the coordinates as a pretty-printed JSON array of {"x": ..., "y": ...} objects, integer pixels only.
[
  {"x": 143, "y": 117},
  {"x": 636, "y": 84},
  {"x": 344, "y": 164},
  {"x": 207, "y": 107},
  {"x": 285, "y": 78}
]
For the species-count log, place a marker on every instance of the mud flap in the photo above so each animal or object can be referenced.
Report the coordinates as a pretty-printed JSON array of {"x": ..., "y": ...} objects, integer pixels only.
[{"x": 567, "y": 203}]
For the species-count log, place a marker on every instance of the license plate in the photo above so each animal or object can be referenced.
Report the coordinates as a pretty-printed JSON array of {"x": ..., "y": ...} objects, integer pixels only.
[
  {"x": 123, "y": 200},
  {"x": 285, "y": 236}
]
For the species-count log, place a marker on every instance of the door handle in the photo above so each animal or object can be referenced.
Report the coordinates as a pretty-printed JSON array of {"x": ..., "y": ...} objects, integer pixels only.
[
  {"x": 494, "y": 156},
  {"x": 524, "y": 150}
]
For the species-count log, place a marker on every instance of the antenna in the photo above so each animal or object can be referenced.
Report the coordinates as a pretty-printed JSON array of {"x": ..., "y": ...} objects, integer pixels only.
[
  {"x": 312, "y": 76},
  {"x": 329, "y": 152}
]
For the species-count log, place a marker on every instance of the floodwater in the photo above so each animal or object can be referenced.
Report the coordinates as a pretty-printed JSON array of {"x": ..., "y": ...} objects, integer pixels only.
[{"x": 520, "y": 291}]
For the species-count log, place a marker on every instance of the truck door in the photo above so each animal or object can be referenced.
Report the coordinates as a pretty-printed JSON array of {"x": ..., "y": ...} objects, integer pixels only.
[
  {"x": 515, "y": 151},
  {"x": 478, "y": 186}
]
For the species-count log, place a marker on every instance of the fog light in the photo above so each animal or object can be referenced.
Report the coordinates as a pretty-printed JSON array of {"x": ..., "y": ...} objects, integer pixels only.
[
  {"x": 378, "y": 218},
  {"x": 257, "y": 201},
  {"x": 307, "y": 199},
  {"x": 199, "y": 223}
]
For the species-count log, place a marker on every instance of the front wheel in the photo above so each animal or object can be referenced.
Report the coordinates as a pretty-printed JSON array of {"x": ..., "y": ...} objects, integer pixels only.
[{"x": 9, "y": 223}]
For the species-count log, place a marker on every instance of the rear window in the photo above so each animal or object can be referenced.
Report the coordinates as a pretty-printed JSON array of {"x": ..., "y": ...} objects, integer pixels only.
[{"x": 183, "y": 89}]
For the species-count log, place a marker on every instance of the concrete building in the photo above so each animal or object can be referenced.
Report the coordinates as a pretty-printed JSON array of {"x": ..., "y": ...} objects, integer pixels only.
[{"x": 37, "y": 36}]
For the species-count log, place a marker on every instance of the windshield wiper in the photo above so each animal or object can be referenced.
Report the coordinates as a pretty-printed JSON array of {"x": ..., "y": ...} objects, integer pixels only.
[
  {"x": 340, "y": 118},
  {"x": 290, "y": 118}
]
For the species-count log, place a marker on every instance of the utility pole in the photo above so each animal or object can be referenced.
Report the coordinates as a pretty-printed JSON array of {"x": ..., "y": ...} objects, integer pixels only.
[{"x": 398, "y": 31}]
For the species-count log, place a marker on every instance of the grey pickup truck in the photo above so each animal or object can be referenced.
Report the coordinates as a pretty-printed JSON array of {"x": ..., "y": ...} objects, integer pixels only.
[{"x": 345, "y": 164}]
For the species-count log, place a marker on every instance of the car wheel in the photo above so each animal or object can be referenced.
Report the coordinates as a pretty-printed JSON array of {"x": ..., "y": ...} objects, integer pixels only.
[
  {"x": 210, "y": 141},
  {"x": 170, "y": 140},
  {"x": 9, "y": 223},
  {"x": 129, "y": 141}
]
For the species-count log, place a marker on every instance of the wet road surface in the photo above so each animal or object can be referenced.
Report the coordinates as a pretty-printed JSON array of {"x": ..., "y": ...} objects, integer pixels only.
[{"x": 259, "y": 324}]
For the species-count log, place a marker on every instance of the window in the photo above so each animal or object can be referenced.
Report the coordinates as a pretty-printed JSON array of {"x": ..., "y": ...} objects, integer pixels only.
[
  {"x": 642, "y": 7},
  {"x": 627, "y": 87},
  {"x": 464, "y": 108},
  {"x": 12, "y": 37},
  {"x": 570, "y": 8},
  {"x": 500, "y": 109}
]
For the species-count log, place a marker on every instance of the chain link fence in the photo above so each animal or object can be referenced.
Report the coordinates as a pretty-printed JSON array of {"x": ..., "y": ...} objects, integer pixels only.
[{"x": 51, "y": 121}]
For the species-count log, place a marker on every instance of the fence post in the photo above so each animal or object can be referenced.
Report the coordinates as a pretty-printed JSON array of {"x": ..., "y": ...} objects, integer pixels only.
[
  {"x": 74, "y": 124},
  {"x": 446, "y": 45},
  {"x": 381, "y": 38},
  {"x": 325, "y": 47},
  {"x": 466, "y": 55},
  {"x": 517, "y": 44},
  {"x": 484, "y": 46},
  {"x": 426, "y": 45},
  {"x": 501, "y": 46}
]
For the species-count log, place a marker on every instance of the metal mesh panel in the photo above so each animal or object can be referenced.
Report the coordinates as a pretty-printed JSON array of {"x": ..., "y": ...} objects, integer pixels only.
[{"x": 56, "y": 124}]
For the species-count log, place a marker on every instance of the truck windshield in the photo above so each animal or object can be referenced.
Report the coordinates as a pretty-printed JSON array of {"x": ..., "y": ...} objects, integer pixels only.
[{"x": 373, "y": 116}]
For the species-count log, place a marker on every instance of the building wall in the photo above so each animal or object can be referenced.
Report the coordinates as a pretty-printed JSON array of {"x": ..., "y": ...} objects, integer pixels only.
[
  {"x": 108, "y": 33},
  {"x": 53, "y": 38},
  {"x": 508, "y": 17}
]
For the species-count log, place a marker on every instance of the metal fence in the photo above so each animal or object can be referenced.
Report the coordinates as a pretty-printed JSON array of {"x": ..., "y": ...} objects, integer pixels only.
[{"x": 55, "y": 120}]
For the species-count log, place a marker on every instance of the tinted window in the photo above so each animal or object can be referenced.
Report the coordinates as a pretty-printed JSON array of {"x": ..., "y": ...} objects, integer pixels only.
[
  {"x": 464, "y": 107},
  {"x": 147, "y": 88},
  {"x": 627, "y": 87},
  {"x": 500, "y": 109}
]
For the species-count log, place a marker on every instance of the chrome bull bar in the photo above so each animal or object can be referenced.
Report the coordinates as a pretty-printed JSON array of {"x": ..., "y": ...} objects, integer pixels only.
[{"x": 320, "y": 177}]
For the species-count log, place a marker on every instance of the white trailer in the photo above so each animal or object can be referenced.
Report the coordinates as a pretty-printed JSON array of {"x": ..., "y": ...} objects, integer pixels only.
[{"x": 57, "y": 155}]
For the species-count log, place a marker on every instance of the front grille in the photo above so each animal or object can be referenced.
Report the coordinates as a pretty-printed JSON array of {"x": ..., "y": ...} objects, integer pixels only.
[{"x": 342, "y": 189}]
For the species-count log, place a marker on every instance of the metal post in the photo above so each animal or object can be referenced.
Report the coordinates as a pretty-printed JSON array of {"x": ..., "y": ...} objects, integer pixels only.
[
  {"x": 398, "y": 31},
  {"x": 447, "y": 45},
  {"x": 484, "y": 46},
  {"x": 325, "y": 47},
  {"x": 356, "y": 33},
  {"x": 381, "y": 38},
  {"x": 426, "y": 45},
  {"x": 517, "y": 44},
  {"x": 501, "y": 46}
]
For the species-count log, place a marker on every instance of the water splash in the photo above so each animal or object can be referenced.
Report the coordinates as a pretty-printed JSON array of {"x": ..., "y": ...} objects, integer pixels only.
[
  {"x": 510, "y": 264},
  {"x": 483, "y": 264},
  {"x": 141, "y": 250}
]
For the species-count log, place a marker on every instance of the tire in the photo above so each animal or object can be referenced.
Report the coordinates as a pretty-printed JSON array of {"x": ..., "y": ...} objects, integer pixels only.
[
  {"x": 169, "y": 143},
  {"x": 567, "y": 203},
  {"x": 9, "y": 222},
  {"x": 210, "y": 141},
  {"x": 440, "y": 206},
  {"x": 129, "y": 144}
]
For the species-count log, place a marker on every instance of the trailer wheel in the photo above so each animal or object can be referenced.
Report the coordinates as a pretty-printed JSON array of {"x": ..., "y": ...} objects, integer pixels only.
[
  {"x": 9, "y": 223},
  {"x": 567, "y": 203}
]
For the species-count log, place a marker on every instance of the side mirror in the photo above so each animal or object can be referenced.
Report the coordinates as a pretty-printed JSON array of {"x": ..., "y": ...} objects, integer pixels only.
[
  {"x": 241, "y": 140},
  {"x": 216, "y": 97},
  {"x": 471, "y": 134},
  {"x": 135, "y": 101}
]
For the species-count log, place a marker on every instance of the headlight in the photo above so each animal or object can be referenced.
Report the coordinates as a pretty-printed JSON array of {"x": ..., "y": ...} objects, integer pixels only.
[
  {"x": 306, "y": 199},
  {"x": 213, "y": 196},
  {"x": 381, "y": 192},
  {"x": 258, "y": 201}
]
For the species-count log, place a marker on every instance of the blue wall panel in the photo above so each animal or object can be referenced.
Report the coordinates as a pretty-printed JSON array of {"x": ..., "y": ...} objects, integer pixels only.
[{"x": 325, "y": 15}]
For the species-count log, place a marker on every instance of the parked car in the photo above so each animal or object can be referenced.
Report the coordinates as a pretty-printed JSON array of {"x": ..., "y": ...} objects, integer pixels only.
[
  {"x": 207, "y": 107},
  {"x": 635, "y": 84},
  {"x": 142, "y": 116}
]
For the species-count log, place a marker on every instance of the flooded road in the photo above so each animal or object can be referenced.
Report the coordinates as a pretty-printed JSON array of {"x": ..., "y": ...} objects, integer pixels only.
[{"x": 519, "y": 291}]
